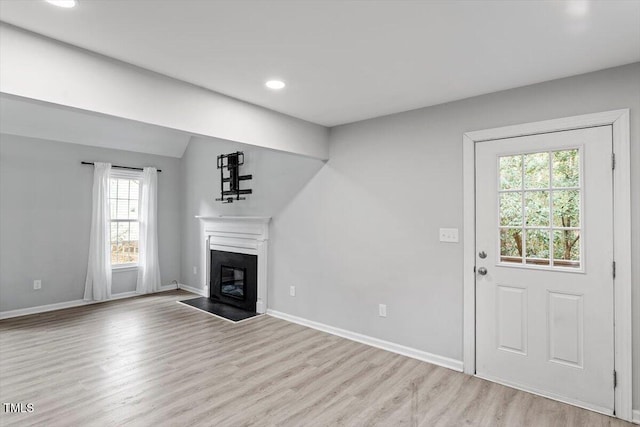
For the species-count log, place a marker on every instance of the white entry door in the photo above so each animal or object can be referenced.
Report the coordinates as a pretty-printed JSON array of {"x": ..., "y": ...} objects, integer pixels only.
[{"x": 544, "y": 265}]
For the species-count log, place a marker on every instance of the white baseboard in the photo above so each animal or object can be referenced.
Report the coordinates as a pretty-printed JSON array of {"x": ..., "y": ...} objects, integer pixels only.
[
  {"x": 69, "y": 304},
  {"x": 198, "y": 291},
  {"x": 446, "y": 362},
  {"x": 116, "y": 296},
  {"x": 42, "y": 308},
  {"x": 636, "y": 416}
]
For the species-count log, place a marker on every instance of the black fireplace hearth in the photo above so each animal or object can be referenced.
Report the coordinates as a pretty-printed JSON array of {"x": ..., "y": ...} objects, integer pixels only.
[{"x": 219, "y": 309}]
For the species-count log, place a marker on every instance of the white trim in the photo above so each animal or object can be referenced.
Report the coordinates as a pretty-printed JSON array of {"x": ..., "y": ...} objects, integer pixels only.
[
  {"x": 70, "y": 304},
  {"x": 619, "y": 120},
  {"x": 435, "y": 359},
  {"x": 117, "y": 268},
  {"x": 622, "y": 255},
  {"x": 43, "y": 308},
  {"x": 121, "y": 295},
  {"x": 469, "y": 255},
  {"x": 566, "y": 123},
  {"x": 220, "y": 317},
  {"x": 636, "y": 416},
  {"x": 204, "y": 292}
]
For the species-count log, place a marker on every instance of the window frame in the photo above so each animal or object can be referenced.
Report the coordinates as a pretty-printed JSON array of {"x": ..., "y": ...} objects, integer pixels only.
[
  {"x": 551, "y": 228},
  {"x": 129, "y": 175}
]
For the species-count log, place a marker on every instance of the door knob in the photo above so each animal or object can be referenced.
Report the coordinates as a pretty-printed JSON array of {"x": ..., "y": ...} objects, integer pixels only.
[{"x": 482, "y": 271}]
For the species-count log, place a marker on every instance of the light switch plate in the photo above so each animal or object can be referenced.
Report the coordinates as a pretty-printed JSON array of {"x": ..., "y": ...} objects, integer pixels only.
[
  {"x": 449, "y": 235},
  {"x": 382, "y": 310}
]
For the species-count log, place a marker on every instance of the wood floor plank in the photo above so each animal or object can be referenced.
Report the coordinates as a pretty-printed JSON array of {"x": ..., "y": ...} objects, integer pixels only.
[{"x": 147, "y": 361}]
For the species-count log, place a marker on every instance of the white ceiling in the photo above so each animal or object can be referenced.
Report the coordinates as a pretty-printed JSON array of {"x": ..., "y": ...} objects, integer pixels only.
[
  {"x": 46, "y": 121},
  {"x": 345, "y": 61}
]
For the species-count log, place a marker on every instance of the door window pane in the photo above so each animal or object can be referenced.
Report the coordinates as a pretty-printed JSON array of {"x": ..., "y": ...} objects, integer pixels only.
[
  {"x": 511, "y": 172},
  {"x": 511, "y": 208},
  {"x": 536, "y": 170},
  {"x": 566, "y": 168},
  {"x": 511, "y": 245},
  {"x": 537, "y": 247},
  {"x": 566, "y": 208},
  {"x": 537, "y": 208},
  {"x": 566, "y": 248}
]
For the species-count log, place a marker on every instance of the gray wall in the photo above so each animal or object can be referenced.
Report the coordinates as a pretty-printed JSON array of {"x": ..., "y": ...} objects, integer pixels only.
[
  {"x": 360, "y": 231},
  {"x": 277, "y": 177},
  {"x": 45, "y": 218},
  {"x": 364, "y": 231}
]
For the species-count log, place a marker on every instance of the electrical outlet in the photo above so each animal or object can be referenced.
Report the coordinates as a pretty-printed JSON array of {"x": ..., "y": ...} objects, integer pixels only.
[
  {"x": 449, "y": 235},
  {"x": 37, "y": 284},
  {"x": 195, "y": 270},
  {"x": 382, "y": 310},
  {"x": 292, "y": 291}
]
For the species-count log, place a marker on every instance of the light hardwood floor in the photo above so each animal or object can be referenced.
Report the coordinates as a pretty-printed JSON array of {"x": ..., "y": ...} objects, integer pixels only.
[{"x": 148, "y": 361}]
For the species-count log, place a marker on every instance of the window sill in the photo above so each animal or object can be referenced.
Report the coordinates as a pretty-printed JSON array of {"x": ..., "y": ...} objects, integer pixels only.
[{"x": 125, "y": 267}]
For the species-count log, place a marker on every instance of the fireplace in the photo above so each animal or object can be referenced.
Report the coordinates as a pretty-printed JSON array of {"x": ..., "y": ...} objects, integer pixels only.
[
  {"x": 235, "y": 260},
  {"x": 234, "y": 279}
]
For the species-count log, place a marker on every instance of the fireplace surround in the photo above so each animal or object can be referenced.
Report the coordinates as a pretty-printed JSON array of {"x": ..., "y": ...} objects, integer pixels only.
[{"x": 239, "y": 235}]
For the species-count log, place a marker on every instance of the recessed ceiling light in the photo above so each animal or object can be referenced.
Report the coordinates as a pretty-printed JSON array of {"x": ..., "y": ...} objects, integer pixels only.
[
  {"x": 275, "y": 84},
  {"x": 63, "y": 3}
]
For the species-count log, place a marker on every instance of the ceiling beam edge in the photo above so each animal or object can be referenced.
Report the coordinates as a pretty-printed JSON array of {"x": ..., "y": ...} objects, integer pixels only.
[{"x": 43, "y": 69}]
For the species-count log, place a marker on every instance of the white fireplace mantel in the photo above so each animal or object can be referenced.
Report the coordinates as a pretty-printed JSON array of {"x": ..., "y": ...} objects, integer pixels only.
[{"x": 240, "y": 234}]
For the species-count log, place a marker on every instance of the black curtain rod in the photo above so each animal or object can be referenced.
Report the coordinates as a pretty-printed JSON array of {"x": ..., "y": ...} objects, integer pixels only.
[{"x": 120, "y": 167}]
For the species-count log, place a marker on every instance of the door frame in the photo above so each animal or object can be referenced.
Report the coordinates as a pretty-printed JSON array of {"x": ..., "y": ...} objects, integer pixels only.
[{"x": 619, "y": 120}]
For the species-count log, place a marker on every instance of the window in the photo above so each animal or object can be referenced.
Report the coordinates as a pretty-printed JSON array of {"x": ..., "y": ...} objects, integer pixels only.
[
  {"x": 540, "y": 209},
  {"x": 123, "y": 201}
]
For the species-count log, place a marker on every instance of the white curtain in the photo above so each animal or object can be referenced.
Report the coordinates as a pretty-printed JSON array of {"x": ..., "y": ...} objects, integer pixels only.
[
  {"x": 148, "y": 265},
  {"x": 98, "y": 283}
]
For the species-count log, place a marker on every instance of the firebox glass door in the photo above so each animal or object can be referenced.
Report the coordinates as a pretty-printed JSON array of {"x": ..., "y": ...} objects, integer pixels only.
[{"x": 232, "y": 283}]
